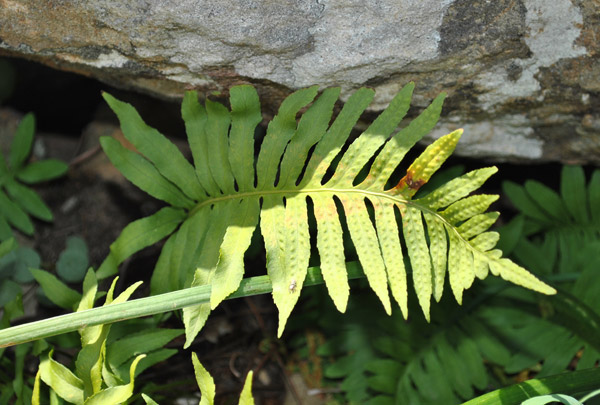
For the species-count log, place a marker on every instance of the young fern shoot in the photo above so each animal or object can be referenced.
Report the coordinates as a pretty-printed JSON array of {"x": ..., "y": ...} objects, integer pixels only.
[{"x": 216, "y": 203}]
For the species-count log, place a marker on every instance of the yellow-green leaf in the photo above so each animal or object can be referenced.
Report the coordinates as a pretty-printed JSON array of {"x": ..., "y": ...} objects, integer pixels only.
[
  {"x": 365, "y": 240},
  {"x": 295, "y": 254},
  {"x": 428, "y": 162},
  {"x": 414, "y": 236},
  {"x": 279, "y": 132},
  {"x": 457, "y": 188},
  {"x": 66, "y": 384},
  {"x": 246, "y": 395},
  {"x": 477, "y": 224},
  {"x": 310, "y": 130},
  {"x": 302, "y": 157},
  {"x": 230, "y": 268},
  {"x": 216, "y": 128},
  {"x": 391, "y": 250},
  {"x": 331, "y": 249},
  {"x": 275, "y": 238},
  {"x": 468, "y": 207},
  {"x": 195, "y": 317},
  {"x": 205, "y": 382},
  {"x": 394, "y": 151},
  {"x": 438, "y": 247},
  {"x": 186, "y": 249},
  {"x": 118, "y": 394},
  {"x": 331, "y": 143},
  {"x": 516, "y": 274},
  {"x": 460, "y": 266}
]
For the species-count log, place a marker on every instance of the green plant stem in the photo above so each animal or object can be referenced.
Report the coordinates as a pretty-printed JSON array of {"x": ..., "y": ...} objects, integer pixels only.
[
  {"x": 146, "y": 306},
  {"x": 570, "y": 383}
]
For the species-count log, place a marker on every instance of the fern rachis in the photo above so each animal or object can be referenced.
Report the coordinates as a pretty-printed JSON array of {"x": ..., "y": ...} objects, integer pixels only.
[{"x": 218, "y": 202}]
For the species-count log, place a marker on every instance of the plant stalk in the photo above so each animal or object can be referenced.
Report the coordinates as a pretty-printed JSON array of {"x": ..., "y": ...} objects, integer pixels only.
[{"x": 147, "y": 306}]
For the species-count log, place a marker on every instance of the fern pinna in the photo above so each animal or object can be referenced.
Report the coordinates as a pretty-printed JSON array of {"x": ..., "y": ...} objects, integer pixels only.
[{"x": 216, "y": 204}]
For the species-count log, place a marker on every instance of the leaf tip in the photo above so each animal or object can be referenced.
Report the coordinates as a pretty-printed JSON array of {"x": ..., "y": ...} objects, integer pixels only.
[
  {"x": 440, "y": 98},
  {"x": 107, "y": 97}
]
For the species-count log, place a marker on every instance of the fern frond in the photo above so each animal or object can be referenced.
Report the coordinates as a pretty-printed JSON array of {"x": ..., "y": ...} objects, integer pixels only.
[
  {"x": 383, "y": 359},
  {"x": 576, "y": 208},
  {"x": 225, "y": 199}
]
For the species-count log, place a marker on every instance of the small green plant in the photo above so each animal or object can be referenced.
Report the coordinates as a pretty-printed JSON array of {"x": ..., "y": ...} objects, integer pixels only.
[
  {"x": 14, "y": 384},
  {"x": 105, "y": 369},
  {"x": 17, "y": 201}
]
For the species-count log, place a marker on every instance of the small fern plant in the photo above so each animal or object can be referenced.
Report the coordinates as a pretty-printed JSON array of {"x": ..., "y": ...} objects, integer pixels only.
[
  {"x": 18, "y": 203},
  {"x": 216, "y": 204}
]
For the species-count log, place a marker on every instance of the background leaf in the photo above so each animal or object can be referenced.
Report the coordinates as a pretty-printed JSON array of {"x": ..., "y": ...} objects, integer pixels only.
[
  {"x": 15, "y": 214},
  {"x": 56, "y": 291},
  {"x": 28, "y": 200},
  {"x": 22, "y": 142},
  {"x": 573, "y": 192},
  {"x": 42, "y": 170},
  {"x": 18, "y": 262},
  {"x": 146, "y": 341},
  {"x": 73, "y": 261}
]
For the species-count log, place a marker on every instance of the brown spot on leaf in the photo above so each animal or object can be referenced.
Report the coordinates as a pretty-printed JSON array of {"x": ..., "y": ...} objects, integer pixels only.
[{"x": 408, "y": 181}]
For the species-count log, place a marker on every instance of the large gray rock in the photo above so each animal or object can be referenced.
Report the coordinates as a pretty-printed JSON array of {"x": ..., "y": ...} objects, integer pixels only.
[{"x": 523, "y": 76}]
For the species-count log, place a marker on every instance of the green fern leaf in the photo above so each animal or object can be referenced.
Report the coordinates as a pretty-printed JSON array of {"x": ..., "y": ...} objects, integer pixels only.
[
  {"x": 573, "y": 192},
  {"x": 138, "y": 235},
  {"x": 245, "y": 116},
  {"x": 194, "y": 116},
  {"x": 302, "y": 161},
  {"x": 594, "y": 196},
  {"x": 163, "y": 154},
  {"x": 144, "y": 174},
  {"x": 575, "y": 210},
  {"x": 565, "y": 245}
]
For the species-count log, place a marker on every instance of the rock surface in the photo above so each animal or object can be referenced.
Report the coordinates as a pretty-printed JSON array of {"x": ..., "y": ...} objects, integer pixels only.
[{"x": 523, "y": 76}]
